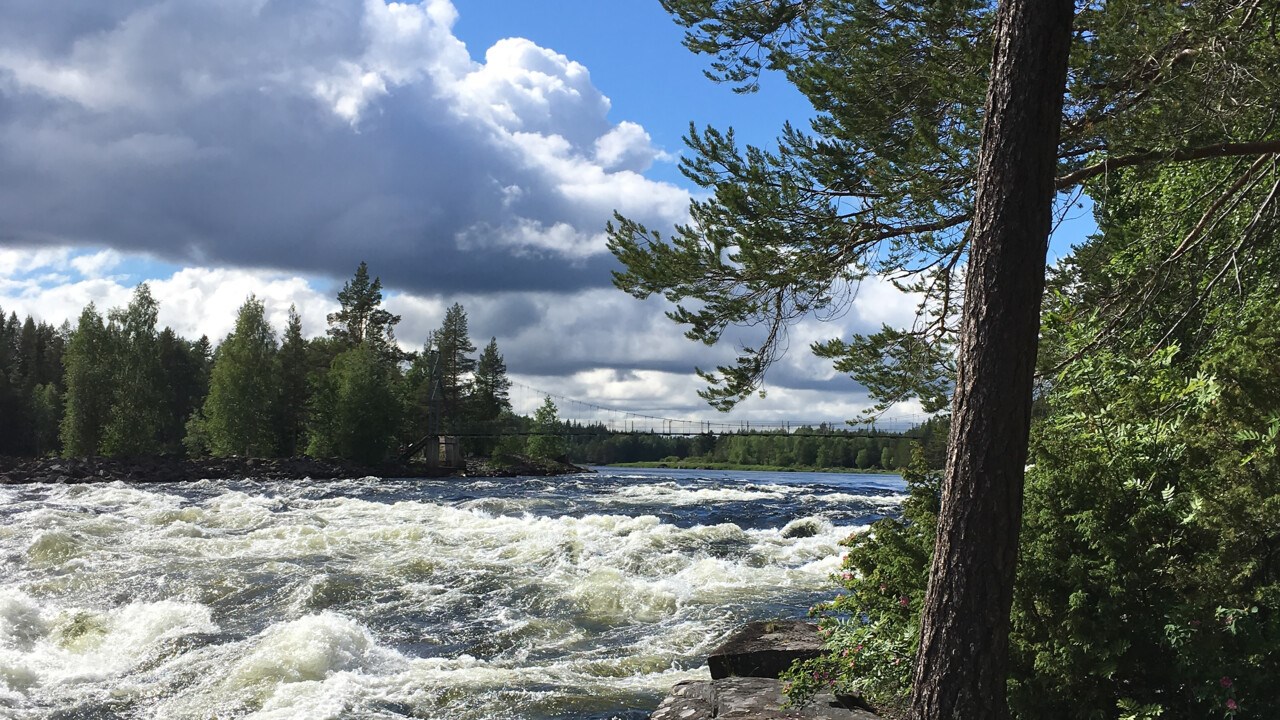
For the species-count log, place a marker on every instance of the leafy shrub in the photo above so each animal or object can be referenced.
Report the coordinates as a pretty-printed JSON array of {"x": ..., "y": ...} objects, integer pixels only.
[
  {"x": 873, "y": 628},
  {"x": 1149, "y": 574}
]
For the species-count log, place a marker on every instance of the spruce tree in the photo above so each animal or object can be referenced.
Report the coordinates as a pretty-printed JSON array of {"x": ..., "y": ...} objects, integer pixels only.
[
  {"x": 10, "y": 399},
  {"x": 489, "y": 401},
  {"x": 547, "y": 442},
  {"x": 183, "y": 367},
  {"x": 292, "y": 384},
  {"x": 46, "y": 416},
  {"x": 240, "y": 413},
  {"x": 455, "y": 365},
  {"x": 490, "y": 395}
]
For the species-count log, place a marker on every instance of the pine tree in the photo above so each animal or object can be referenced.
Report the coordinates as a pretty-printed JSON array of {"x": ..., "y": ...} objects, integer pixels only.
[
  {"x": 240, "y": 411},
  {"x": 362, "y": 319},
  {"x": 88, "y": 364}
]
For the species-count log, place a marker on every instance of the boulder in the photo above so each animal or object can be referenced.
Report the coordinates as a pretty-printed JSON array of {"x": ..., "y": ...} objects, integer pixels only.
[
  {"x": 765, "y": 649},
  {"x": 748, "y": 698}
]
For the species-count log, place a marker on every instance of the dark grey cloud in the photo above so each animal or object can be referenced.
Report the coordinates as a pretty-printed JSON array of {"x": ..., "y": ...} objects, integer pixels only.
[
  {"x": 311, "y": 135},
  {"x": 268, "y": 147}
]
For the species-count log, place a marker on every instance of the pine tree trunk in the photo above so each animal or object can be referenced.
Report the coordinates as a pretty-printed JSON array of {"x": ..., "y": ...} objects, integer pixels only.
[{"x": 963, "y": 660}]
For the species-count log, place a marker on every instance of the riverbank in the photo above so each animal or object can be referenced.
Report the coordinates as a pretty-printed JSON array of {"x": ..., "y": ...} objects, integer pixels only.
[
  {"x": 17, "y": 471},
  {"x": 701, "y": 465}
]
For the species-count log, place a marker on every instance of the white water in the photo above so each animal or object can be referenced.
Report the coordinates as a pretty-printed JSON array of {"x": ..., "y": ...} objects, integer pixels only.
[{"x": 582, "y": 597}]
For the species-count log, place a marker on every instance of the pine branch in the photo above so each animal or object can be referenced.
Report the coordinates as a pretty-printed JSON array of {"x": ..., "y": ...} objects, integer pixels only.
[{"x": 1205, "y": 152}]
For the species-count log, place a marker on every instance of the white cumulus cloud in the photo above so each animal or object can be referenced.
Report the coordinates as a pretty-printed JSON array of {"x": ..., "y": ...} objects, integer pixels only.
[{"x": 310, "y": 135}]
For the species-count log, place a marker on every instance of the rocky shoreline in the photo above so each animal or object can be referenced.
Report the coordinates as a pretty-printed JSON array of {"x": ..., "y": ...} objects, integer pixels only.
[
  {"x": 17, "y": 471},
  {"x": 744, "y": 682}
]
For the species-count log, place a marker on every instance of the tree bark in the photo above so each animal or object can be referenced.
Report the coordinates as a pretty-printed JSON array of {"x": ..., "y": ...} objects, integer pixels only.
[{"x": 963, "y": 659}]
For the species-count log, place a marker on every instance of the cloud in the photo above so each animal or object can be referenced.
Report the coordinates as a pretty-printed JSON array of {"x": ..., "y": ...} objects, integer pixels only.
[
  {"x": 594, "y": 344},
  {"x": 307, "y": 136},
  {"x": 218, "y": 148}
]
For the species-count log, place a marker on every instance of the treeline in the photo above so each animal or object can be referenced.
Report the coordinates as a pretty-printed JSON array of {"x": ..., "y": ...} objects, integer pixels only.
[
  {"x": 821, "y": 447},
  {"x": 117, "y": 385}
]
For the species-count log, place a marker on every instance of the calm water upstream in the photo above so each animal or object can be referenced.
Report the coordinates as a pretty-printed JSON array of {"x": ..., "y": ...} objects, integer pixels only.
[{"x": 576, "y": 597}]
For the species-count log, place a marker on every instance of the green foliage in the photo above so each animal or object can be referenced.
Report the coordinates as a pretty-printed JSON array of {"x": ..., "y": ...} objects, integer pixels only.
[
  {"x": 137, "y": 404},
  {"x": 293, "y": 387},
  {"x": 196, "y": 440},
  {"x": 46, "y": 417},
  {"x": 355, "y": 409},
  {"x": 88, "y": 382},
  {"x": 452, "y": 349},
  {"x": 30, "y": 364},
  {"x": 881, "y": 181},
  {"x": 362, "y": 319},
  {"x": 121, "y": 387},
  {"x": 1148, "y": 573},
  {"x": 491, "y": 387},
  {"x": 549, "y": 441},
  {"x": 184, "y": 369},
  {"x": 821, "y": 448},
  {"x": 1149, "y": 580},
  {"x": 240, "y": 412},
  {"x": 509, "y": 446},
  {"x": 490, "y": 397},
  {"x": 873, "y": 627}
]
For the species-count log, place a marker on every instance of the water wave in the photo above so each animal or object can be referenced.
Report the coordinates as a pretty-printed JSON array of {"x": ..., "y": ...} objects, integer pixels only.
[{"x": 380, "y": 598}]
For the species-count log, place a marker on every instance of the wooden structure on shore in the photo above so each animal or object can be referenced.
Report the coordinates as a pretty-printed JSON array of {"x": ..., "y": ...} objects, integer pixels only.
[{"x": 439, "y": 452}]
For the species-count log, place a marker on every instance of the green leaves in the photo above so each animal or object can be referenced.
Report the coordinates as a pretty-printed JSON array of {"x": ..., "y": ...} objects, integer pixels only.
[
  {"x": 240, "y": 412},
  {"x": 881, "y": 181},
  {"x": 547, "y": 441},
  {"x": 355, "y": 410}
]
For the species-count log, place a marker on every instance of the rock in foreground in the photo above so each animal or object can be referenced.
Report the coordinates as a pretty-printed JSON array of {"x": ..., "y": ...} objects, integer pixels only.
[
  {"x": 747, "y": 698},
  {"x": 745, "y": 684},
  {"x": 765, "y": 649}
]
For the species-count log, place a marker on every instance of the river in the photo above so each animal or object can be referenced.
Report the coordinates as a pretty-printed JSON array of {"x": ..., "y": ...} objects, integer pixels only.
[{"x": 585, "y": 596}]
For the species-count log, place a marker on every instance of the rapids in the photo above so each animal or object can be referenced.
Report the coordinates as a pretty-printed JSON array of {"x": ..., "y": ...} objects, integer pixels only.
[{"x": 584, "y": 596}]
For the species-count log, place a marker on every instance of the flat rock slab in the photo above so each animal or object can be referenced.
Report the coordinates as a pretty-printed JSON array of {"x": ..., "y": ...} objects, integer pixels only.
[
  {"x": 747, "y": 698},
  {"x": 765, "y": 649}
]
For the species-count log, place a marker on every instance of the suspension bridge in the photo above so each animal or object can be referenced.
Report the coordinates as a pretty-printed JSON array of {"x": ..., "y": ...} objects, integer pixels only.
[
  {"x": 616, "y": 419},
  {"x": 585, "y": 418}
]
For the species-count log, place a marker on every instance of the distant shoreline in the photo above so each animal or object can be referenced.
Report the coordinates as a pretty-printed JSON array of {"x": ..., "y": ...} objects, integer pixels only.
[
  {"x": 661, "y": 465},
  {"x": 157, "y": 469}
]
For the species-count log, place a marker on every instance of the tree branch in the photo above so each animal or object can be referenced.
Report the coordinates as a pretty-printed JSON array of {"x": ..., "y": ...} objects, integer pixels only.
[{"x": 1217, "y": 150}]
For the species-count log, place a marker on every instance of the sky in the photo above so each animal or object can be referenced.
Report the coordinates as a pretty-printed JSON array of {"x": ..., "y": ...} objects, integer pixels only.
[{"x": 470, "y": 151}]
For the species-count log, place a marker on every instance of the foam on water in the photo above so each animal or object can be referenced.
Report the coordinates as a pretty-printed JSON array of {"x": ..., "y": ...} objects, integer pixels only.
[{"x": 529, "y": 598}]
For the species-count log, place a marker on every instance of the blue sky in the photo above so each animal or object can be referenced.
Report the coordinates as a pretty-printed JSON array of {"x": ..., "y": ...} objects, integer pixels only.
[
  {"x": 471, "y": 151},
  {"x": 634, "y": 52}
]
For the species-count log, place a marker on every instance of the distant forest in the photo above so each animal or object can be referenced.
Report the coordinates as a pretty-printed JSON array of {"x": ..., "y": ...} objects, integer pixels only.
[
  {"x": 816, "y": 448},
  {"x": 117, "y": 385}
]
